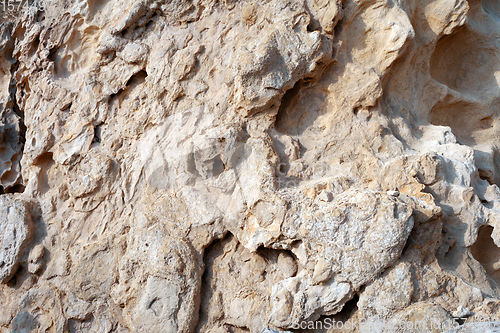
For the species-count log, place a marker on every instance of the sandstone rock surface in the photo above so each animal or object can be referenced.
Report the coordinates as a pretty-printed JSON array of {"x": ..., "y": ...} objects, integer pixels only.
[{"x": 249, "y": 166}]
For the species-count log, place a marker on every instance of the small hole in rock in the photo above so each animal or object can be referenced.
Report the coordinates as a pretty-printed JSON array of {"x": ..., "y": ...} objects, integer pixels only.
[
  {"x": 18, "y": 188},
  {"x": 151, "y": 20},
  {"x": 487, "y": 253},
  {"x": 137, "y": 79},
  {"x": 97, "y": 134},
  {"x": 67, "y": 108}
]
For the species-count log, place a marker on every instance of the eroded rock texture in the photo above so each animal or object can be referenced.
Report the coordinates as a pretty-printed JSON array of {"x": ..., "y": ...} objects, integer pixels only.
[{"x": 234, "y": 166}]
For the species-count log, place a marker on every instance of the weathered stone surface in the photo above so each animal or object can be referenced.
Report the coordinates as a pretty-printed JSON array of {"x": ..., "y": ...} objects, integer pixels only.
[
  {"x": 11, "y": 125},
  {"x": 159, "y": 282},
  {"x": 35, "y": 259},
  {"x": 16, "y": 228},
  {"x": 488, "y": 327},
  {"x": 268, "y": 330},
  {"x": 225, "y": 166},
  {"x": 390, "y": 292}
]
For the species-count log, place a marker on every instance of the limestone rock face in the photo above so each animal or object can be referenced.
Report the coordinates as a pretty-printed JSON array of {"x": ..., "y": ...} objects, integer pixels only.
[
  {"x": 15, "y": 232},
  {"x": 249, "y": 166}
]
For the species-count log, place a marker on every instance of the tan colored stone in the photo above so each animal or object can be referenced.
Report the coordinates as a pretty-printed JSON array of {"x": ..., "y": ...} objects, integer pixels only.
[{"x": 233, "y": 166}]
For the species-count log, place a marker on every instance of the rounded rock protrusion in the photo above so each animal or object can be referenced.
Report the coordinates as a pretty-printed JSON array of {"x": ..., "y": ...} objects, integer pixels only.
[
  {"x": 35, "y": 260},
  {"x": 15, "y": 231}
]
